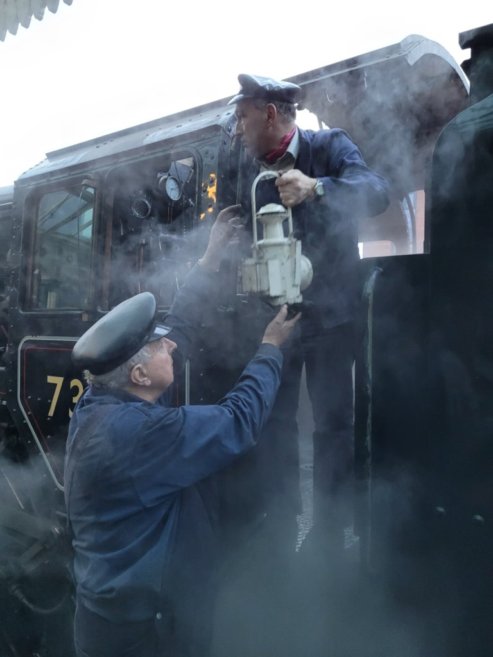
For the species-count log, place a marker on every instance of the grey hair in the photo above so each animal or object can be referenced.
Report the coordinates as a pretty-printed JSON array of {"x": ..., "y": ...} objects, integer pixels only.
[
  {"x": 285, "y": 110},
  {"x": 120, "y": 376}
]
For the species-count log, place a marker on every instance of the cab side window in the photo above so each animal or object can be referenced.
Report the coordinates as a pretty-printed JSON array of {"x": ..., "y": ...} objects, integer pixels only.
[{"x": 62, "y": 247}]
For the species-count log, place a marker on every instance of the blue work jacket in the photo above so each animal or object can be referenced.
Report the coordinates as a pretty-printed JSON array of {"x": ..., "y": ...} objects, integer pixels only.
[
  {"x": 328, "y": 226},
  {"x": 132, "y": 483}
]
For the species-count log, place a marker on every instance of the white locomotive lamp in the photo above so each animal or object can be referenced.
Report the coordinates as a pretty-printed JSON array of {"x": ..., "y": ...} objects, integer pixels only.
[{"x": 277, "y": 268}]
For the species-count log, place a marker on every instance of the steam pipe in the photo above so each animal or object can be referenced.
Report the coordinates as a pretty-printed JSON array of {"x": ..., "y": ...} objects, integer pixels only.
[
  {"x": 408, "y": 209},
  {"x": 364, "y": 417}
]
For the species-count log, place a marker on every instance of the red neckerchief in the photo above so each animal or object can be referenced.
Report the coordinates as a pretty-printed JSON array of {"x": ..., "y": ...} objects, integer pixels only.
[{"x": 273, "y": 155}]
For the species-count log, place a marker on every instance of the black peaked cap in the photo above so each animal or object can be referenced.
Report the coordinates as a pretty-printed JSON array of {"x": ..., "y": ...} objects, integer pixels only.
[
  {"x": 119, "y": 335},
  {"x": 256, "y": 86}
]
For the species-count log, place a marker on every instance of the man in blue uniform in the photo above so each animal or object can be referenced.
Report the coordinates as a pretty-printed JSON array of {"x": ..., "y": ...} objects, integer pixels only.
[
  {"x": 325, "y": 180},
  {"x": 143, "y": 540}
]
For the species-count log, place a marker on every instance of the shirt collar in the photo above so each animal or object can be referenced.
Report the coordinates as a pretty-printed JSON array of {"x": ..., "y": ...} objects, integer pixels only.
[{"x": 288, "y": 159}]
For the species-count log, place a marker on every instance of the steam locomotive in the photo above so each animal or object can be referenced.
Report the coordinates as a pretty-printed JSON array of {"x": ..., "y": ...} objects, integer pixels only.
[{"x": 97, "y": 222}]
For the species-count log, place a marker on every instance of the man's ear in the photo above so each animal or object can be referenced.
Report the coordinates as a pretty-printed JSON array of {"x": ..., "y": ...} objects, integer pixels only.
[
  {"x": 271, "y": 110},
  {"x": 138, "y": 375}
]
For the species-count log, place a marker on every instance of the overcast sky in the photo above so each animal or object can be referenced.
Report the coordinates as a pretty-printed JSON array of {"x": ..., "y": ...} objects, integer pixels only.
[{"x": 101, "y": 65}]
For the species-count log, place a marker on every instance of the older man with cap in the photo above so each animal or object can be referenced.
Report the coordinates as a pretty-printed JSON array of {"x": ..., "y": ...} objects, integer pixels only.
[
  {"x": 325, "y": 180},
  {"x": 136, "y": 469}
]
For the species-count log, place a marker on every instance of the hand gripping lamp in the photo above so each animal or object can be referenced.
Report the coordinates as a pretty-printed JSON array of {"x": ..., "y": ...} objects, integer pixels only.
[{"x": 277, "y": 269}]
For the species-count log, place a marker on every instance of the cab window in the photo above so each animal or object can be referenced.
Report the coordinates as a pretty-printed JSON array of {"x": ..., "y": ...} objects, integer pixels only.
[{"x": 61, "y": 259}]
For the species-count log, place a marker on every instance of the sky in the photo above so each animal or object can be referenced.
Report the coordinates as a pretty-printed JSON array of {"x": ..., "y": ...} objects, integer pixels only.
[{"x": 99, "y": 66}]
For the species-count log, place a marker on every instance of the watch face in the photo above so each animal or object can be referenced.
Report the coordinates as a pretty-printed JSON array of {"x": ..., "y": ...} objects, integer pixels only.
[{"x": 173, "y": 188}]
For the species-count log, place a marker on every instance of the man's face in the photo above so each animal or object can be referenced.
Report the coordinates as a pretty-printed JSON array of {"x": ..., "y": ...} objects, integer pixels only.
[
  {"x": 159, "y": 367},
  {"x": 251, "y": 126}
]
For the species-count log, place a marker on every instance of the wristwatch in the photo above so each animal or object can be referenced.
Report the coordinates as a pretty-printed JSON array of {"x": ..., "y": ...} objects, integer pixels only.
[{"x": 318, "y": 188}]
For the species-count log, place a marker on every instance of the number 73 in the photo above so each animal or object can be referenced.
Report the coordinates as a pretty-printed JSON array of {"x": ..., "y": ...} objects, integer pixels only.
[{"x": 75, "y": 384}]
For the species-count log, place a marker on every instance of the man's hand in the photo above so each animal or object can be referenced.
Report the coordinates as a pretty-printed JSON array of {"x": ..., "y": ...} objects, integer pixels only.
[
  {"x": 223, "y": 230},
  {"x": 294, "y": 187},
  {"x": 280, "y": 328}
]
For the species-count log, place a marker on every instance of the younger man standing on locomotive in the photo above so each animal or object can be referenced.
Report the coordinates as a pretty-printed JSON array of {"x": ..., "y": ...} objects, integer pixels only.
[{"x": 325, "y": 180}]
